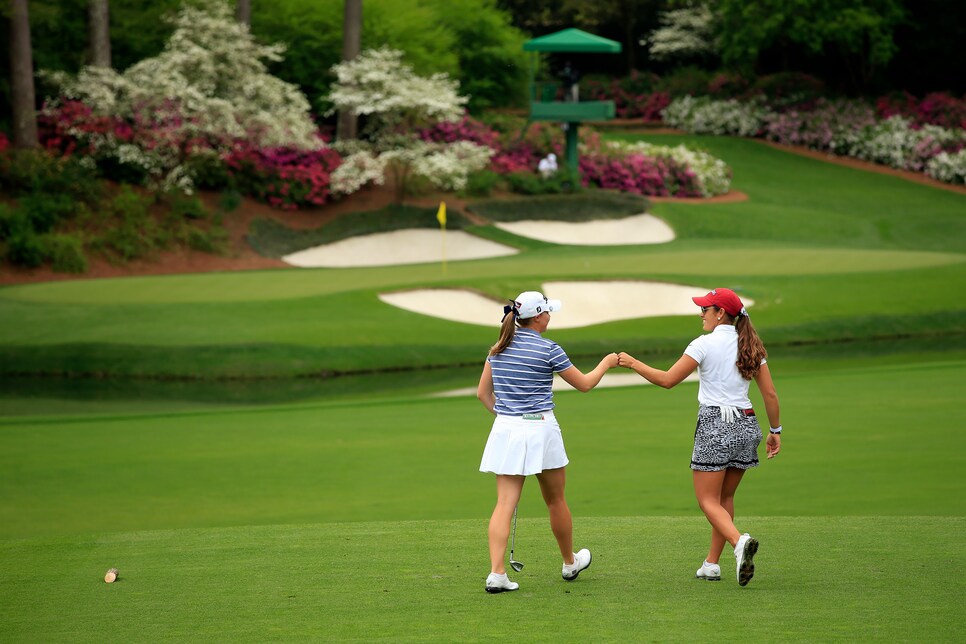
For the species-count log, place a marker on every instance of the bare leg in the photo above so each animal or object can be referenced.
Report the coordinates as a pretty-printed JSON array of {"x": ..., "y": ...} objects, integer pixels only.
[
  {"x": 508, "y": 489},
  {"x": 552, "y": 483},
  {"x": 732, "y": 478},
  {"x": 708, "y": 488}
]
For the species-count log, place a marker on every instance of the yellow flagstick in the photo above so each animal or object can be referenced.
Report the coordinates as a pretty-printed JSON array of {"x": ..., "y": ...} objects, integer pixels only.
[{"x": 441, "y": 218}]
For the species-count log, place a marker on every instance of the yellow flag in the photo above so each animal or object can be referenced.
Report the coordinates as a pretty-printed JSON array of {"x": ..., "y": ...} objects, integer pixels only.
[{"x": 441, "y": 214}]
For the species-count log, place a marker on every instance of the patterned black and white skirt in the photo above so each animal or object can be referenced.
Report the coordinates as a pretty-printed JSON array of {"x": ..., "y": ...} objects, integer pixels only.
[{"x": 719, "y": 445}]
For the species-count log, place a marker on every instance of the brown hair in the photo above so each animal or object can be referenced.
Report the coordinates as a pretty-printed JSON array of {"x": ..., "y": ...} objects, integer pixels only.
[
  {"x": 506, "y": 333},
  {"x": 751, "y": 350},
  {"x": 508, "y": 330}
]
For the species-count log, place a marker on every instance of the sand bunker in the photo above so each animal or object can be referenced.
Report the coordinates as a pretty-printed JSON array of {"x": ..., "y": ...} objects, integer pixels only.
[
  {"x": 585, "y": 303},
  {"x": 639, "y": 229},
  {"x": 613, "y": 378},
  {"x": 423, "y": 245},
  {"x": 410, "y": 246}
]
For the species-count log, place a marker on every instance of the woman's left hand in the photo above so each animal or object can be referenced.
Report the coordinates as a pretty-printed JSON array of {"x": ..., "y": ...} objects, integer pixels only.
[{"x": 773, "y": 444}]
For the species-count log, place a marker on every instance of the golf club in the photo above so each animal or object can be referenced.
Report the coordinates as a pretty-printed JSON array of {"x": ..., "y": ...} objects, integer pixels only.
[{"x": 516, "y": 565}]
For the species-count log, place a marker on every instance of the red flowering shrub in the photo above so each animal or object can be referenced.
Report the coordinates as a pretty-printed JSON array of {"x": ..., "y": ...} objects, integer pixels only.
[
  {"x": 639, "y": 174},
  {"x": 654, "y": 105},
  {"x": 937, "y": 108},
  {"x": 4, "y": 142},
  {"x": 466, "y": 129},
  {"x": 282, "y": 177},
  {"x": 68, "y": 128}
]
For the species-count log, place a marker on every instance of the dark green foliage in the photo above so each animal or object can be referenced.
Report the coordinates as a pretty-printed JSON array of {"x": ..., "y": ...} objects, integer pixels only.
[
  {"x": 789, "y": 87},
  {"x": 24, "y": 248},
  {"x": 214, "y": 240},
  {"x": 587, "y": 206},
  {"x": 35, "y": 171},
  {"x": 134, "y": 234},
  {"x": 44, "y": 210},
  {"x": 528, "y": 183},
  {"x": 686, "y": 80},
  {"x": 229, "y": 200},
  {"x": 482, "y": 183},
  {"x": 492, "y": 64},
  {"x": 65, "y": 253},
  {"x": 188, "y": 207},
  {"x": 209, "y": 172},
  {"x": 11, "y": 221}
]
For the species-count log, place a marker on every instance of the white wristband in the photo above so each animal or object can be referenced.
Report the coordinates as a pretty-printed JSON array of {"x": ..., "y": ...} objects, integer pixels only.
[{"x": 775, "y": 430}]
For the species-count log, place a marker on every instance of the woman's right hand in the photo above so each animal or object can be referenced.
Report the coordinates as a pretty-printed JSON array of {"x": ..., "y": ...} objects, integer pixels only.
[
  {"x": 626, "y": 360},
  {"x": 610, "y": 360}
]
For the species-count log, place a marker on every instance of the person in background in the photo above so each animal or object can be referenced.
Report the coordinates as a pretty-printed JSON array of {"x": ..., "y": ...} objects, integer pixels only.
[
  {"x": 547, "y": 166},
  {"x": 525, "y": 438},
  {"x": 727, "y": 434}
]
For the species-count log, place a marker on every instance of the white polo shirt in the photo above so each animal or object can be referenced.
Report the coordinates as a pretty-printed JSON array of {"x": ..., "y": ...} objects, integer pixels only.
[{"x": 720, "y": 383}]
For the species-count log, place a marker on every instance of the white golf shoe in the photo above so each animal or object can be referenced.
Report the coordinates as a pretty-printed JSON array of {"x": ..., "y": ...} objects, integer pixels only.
[
  {"x": 499, "y": 583},
  {"x": 581, "y": 561},
  {"x": 745, "y": 551},
  {"x": 709, "y": 572}
]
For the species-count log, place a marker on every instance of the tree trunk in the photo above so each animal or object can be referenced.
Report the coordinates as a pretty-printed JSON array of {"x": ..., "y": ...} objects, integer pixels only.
[
  {"x": 98, "y": 24},
  {"x": 22, "y": 77},
  {"x": 243, "y": 12},
  {"x": 348, "y": 124}
]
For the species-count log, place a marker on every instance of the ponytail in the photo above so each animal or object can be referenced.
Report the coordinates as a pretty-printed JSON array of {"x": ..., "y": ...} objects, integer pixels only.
[
  {"x": 751, "y": 350},
  {"x": 507, "y": 330}
]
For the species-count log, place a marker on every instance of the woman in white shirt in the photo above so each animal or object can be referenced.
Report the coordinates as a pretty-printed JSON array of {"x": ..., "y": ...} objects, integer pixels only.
[{"x": 727, "y": 434}]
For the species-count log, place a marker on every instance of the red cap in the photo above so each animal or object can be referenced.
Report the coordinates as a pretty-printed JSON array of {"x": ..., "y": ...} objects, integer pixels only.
[{"x": 723, "y": 298}]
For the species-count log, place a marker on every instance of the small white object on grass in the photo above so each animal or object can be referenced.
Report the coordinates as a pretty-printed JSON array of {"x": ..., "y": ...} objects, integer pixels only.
[{"x": 111, "y": 575}]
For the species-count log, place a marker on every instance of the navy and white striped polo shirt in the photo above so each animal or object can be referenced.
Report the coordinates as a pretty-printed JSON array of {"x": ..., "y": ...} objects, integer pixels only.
[{"x": 523, "y": 373}]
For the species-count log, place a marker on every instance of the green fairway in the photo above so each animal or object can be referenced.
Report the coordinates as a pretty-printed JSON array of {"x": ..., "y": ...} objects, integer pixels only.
[{"x": 817, "y": 579}]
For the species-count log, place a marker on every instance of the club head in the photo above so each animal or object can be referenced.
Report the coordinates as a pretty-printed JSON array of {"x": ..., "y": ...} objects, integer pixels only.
[{"x": 516, "y": 565}]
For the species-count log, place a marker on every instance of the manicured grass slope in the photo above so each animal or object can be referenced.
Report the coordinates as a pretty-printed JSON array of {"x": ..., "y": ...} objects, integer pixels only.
[{"x": 818, "y": 579}]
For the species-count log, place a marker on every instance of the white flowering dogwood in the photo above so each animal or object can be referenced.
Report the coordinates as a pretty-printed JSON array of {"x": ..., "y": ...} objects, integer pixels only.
[
  {"x": 357, "y": 170},
  {"x": 395, "y": 102},
  {"x": 207, "y": 90},
  {"x": 683, "y": 32}
]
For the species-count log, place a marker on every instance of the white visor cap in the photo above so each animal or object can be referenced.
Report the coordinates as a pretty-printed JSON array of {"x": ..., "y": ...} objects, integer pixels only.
[{"x": 530, "y": 304}]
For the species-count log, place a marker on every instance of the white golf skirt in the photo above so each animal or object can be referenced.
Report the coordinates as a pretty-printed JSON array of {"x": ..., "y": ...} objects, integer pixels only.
[{"x": 524, "y": 445}]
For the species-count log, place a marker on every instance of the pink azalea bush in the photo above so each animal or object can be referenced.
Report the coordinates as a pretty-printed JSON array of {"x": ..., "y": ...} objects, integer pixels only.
[
  {"x": 284, "y": 178},
  {"x": 826, "y": 127},
  {"x": 639, "y": 174},
  {"x": 634, "y": 96},
  {"x": 519, "y": 148},
  {"x": 4, "y": 142}
]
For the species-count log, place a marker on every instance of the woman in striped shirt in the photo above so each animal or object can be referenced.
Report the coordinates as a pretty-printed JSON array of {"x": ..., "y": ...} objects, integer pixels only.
[{"x": 525, "y": 438}]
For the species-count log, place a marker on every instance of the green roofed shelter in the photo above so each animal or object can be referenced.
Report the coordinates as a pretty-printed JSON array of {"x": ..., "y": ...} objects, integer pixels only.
[
  {"x": 573, "y": 40},
  {"x": 543, "y": 107}
]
